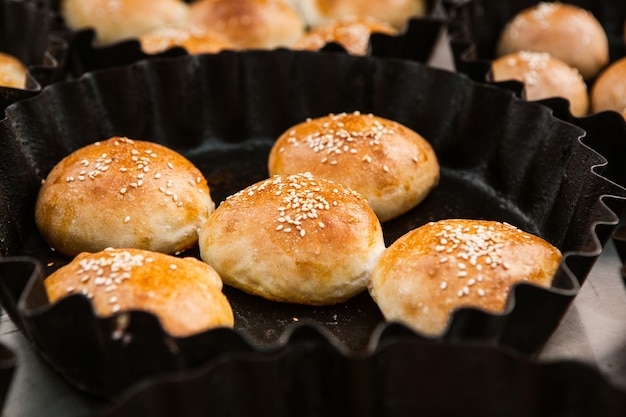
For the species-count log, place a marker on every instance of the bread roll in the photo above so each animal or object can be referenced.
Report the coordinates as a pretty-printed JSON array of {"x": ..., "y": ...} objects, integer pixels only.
[
  {"x": 608, "y": 92},
  {"x": 194, "y": 40},
  {"x": 566, "y": 31},
  {"x": 390, "y": 165},
  {"x": 123, "y": 193},
  {"x": 544, "y": 76},
  {"x": 394, "y": 12},
  {"x": 12, "y": 72},
  {"x": 353, "y": 33},
  {"x": 249, "y": 24},
  {"x": 439, "y": 267},
  {"x": 184, "y": 293},
  {"x": 117, "y": 20},
  {"x": 294, "y": 239}
]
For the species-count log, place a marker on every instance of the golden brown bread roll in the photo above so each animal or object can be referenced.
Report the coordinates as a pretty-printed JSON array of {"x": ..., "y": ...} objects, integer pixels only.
[
  {"x": 194, "y": 40},
  {"x": 394, "y": 12},
  {"x": 441, "y": 266},
  {"x": 544, "y": 76},
  {"x": 353, "y": 33},
  {"x": 608, "y": 92},
  {"x": 123, "y": 193},
  {"x": 117, "y": 20},
  {"x": 391, "y": 166},
  {"x": 184, "y": 293},
  {"x": 12, "y": 72},
  {"x": 248, "y": 24},
  {"x": 566, "y": 31},
  {"x": 294, "y": 239}
]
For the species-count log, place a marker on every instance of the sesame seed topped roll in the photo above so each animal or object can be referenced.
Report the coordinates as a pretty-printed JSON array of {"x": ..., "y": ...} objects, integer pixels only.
[
  {"x": 391, "y": 166},
  {"x": 184, "y": 293},
  {"x": 294, "y": 238},
  {"x": 123, "y": 193},
  {"x": 441, "y": 266}
]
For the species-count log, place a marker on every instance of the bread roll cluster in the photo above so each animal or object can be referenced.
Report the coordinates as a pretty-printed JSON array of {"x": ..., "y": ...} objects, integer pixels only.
[
  {"x": 574, "y": 41},
  {"x": 184, "y": 293},
  {"x": 210, "y": 26},
  {"x": 119, "y": 209},
  {"x": 565, "y": 31},
  {"x": 12, "y": 72},
  {"x": 441, "y": 266}
]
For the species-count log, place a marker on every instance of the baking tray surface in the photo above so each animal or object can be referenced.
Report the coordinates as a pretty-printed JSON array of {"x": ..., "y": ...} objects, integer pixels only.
[{"x": 502, "y": 158}]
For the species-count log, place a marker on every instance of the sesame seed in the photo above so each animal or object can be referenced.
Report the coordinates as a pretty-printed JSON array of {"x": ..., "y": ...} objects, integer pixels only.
[
  {"x": 173, "y": 266},
  {"x": 115, "y": 308},
  {"x": 444, "y": 285},
  {"x": 126, "y": 219}
]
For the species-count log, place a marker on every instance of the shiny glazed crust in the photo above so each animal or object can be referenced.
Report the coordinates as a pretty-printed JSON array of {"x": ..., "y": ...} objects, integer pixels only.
[
  {"x": 390, "y": 165},
  {"x": 441, "y": 266},
  {"x": 544, "y": 76},
  {"x": 353, "y": 33},
  {"x": 123, "y": 193},
  {"x": 249, "y": 24},
  {"x": 184, "y": 293},
  {"x": 294, "y": 239},
  {"x": 115, "y": 20},
  {"x": 566, "y": 31}
]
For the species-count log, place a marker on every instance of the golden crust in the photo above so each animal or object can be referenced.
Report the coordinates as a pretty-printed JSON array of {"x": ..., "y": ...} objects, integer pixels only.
[
  {"x": 193, "y": 39},
  {"x": 12, "y": 72},
  {"x": 353, "y": 33},
  {"x": 123, "y": 193},
  {"x": 294, "y": 239},
  {"x": 609, "y": 90},
  {"x": 390, "y": 165},
  {"x": 247, "y": 24},
  {"x": 394, "y": 12},
  {"x": 117, "y": 20},
  {"x": 544, "y": 76},
  {"x": 566, "y": 31},
  {"x": 441, "y": 266},
  {"x": 184, "y": 293}
]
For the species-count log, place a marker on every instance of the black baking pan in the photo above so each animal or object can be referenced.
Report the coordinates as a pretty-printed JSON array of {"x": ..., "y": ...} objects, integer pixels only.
[
  {"x": 418, "y": 41},
  {"x": 29, "y": 33},
  {"x": 401, "y": 378},
  {"x": 501, "y": 158}
]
